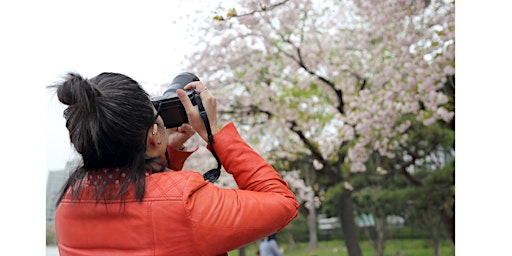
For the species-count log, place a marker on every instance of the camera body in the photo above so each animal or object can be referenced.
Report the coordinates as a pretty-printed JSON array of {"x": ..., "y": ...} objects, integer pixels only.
[{"x": 169, "y": 105}]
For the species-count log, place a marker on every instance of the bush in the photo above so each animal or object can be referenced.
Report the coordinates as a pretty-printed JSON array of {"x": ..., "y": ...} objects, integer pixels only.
[
  {"x": 298, "y": 229},
  {"x": 406, "y": 232},
  {"x": 51, "y": 238}
]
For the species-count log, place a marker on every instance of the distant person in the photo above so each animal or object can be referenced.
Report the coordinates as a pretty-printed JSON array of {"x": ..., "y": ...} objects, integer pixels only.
[
  {"x": 130, "y": 196},
  {"x": 268, "y": 247}
]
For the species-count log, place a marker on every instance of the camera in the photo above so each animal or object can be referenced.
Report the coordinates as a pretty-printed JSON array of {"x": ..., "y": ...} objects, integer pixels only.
[
  {"x": 173, "y": 113},
  {"x": 169, "y": 105}
]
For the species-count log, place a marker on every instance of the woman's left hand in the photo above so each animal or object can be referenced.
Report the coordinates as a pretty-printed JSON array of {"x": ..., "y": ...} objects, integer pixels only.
[{"x": 177, "y": 136}]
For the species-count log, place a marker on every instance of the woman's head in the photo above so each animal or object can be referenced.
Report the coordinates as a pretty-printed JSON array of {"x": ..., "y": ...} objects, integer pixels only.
[{"x": 108, "y": 118}]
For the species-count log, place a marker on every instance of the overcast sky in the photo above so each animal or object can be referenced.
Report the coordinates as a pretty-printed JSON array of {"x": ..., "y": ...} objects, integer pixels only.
[{"x": 144, "y": 41}]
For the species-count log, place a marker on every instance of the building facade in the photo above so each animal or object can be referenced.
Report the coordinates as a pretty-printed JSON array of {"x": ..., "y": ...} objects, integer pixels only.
[{"x": 54, "y": 183}]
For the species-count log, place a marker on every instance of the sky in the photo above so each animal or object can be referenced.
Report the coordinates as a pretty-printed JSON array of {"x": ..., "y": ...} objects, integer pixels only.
[
  {"x": 41, "y": 40},
  {"x": 144, "y": 40},
  {"x": 148, "y": 48}
]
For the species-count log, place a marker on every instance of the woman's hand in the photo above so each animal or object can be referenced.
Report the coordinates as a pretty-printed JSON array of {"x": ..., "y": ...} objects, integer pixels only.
[
  {"x": 209, "y": 103},
  {"x": 177, "y": 136}
]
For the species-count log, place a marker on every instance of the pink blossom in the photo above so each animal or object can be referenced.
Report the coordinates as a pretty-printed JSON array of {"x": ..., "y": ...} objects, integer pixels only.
[{"x": 402, "y": 49}]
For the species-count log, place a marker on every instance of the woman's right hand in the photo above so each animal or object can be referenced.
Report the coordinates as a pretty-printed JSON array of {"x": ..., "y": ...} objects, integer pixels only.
[
  {"x": 209, "y": 103},
  {"x": 177, "y": 136}
]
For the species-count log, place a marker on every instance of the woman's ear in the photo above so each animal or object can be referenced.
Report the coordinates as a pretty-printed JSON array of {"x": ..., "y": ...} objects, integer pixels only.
[
  {"x": 152, "y": 134},
  {"x": 156, "y": 144},
  {"x": 154, "y": 129},
  {"x": 152, "y": 139}
]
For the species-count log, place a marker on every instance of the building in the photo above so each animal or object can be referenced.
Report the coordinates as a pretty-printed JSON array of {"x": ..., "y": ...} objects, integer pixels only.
[{"x": 54, "y": 183}]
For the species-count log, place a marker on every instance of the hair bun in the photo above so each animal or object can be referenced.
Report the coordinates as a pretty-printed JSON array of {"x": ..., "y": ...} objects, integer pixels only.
[{"x": 76, "y": 90}]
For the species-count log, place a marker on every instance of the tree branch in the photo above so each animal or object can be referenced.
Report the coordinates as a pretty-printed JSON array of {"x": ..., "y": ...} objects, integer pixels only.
[
  {"x": 329, "y": 83},
  {"x": 307, "y": 142},
  {"x": 299, "y": 60},
  {"x": 407, "y": 175},
  {"x": 263, "y": 8}
]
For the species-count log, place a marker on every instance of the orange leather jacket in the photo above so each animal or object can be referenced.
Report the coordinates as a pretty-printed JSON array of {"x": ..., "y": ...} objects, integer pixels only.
[{"x": 182, "y": 214}]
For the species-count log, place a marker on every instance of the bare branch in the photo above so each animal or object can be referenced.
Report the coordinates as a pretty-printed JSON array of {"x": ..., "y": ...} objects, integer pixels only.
[
  {"x": 331, "y": 84},
  {"x": 263, "y": 8}
]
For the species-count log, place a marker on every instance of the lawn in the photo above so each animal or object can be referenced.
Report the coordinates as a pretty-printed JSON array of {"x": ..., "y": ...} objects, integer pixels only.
[{"x": 403, "y": 247}]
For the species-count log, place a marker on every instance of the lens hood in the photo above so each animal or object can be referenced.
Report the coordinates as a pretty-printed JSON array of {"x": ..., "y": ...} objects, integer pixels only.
[
  {"x": 178, "y": 82},
  {"x": 169, "y": 105}
]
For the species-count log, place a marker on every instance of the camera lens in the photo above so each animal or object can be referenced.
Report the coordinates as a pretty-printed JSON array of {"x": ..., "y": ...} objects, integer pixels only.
[{"x": 172, "y": 111}]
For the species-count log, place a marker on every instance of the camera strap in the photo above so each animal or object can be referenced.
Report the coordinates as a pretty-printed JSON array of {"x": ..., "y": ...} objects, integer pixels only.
[{"x": 213, "y": 174}]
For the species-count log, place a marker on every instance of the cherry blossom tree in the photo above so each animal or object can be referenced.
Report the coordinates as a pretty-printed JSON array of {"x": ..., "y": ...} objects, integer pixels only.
[
  {"x": 307, "y": 77},
  {"x": 307, "y": 196}
]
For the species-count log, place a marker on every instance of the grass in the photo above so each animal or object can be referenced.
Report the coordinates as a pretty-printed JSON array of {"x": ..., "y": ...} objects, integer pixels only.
[{"x": 402, "y": 247}]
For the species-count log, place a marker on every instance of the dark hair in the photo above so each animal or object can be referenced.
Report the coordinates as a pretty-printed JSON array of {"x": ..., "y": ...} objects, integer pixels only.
[{"x": 107, "y": 117}]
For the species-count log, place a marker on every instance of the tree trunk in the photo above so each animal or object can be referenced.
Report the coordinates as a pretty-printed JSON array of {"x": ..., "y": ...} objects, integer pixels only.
[
  {"x": 433, "y": 224},
  {"x": 348, "y": 224},
  {"x": 291, "y": 241},
  {"x": 313, "y": 237},
  {"x": 437, "y": 250},
  {"x": 380, "y": 228},
  {"x": 310, "y": 179},
  {"x": 449, "y": 223},
  {"x": 376, "y": 234},
  {"x": 241, "y": 251}
]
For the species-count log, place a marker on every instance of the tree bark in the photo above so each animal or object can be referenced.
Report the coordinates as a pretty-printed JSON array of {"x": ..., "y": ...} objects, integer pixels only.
[
  {"x": 449, "y": 223},
  {"x": 241, "y": 251},
  {"x": 310, "y": 179},
  {"x": 380, "y": 228},
  {"x": 291, "y": 241},
  {"x": 313, "y": 237},
  {"x": 348, "y": 224}
]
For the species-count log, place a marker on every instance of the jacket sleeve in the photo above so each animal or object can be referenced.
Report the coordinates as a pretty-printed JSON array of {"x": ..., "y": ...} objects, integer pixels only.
[
  {"x": 226, "y": 219},
  {"x": 178, "y": 157}
]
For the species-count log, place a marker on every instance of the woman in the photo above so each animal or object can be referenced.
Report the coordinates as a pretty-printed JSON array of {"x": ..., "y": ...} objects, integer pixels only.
[{"x": 126, "y": 200}]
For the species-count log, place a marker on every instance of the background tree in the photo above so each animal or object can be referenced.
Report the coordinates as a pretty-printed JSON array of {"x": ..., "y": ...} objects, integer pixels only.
[
  {"x": 378, "y": 193},
  {"x": 302, "y": 180},
  {"x": 379, "y": 204},
  {"x": 311, "y": 76},
  {"x": 426, "y": 202},
  {"x": 51, "y": 238},
  {"x": 428, "y": 155},
  {"x": 417, "y": 185}
]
